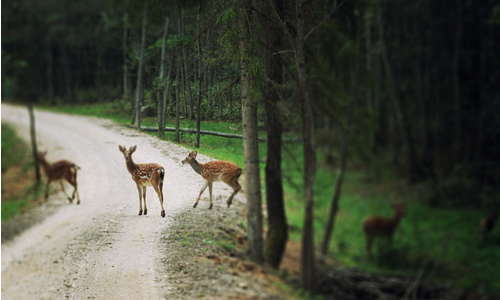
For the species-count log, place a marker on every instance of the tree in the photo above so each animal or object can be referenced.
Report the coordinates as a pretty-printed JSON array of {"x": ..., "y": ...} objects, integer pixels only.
[
  {"x": 307, "y": 260},
  {"x": 250, "y": 137},
  {"x": 277, "y": 233},
  {"x": 140, "y": 80}
]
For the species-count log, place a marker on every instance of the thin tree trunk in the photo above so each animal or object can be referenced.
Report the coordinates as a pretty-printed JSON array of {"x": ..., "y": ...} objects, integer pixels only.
[
  {"x": 345, "y": 136},
  {"x": 124, "y": 48},
  {"x": 199, "y": 77},
  {"x": 414, "y": 170},
  {"x": 250, "y": 141},
  {"x": 277, "y": 234},
  {"x": 33, "y": 142},
  {"x": 161, "y": 99},
  {"x": 177, "y": 99},
  {"x": 139, "y": 94},
  {"x": 307, "y": 261},
  {"x": 456, "y": 86},
  {"x": 187, "y": 84}
]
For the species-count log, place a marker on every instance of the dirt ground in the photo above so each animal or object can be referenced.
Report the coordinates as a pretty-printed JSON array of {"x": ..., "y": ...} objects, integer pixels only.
[{"x": 102, "y": 248}]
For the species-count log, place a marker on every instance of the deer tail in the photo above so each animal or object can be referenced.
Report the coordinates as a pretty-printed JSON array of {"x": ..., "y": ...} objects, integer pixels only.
[
  {"x": 239, "y": 171},
  {"x": 162, "y": 174}
]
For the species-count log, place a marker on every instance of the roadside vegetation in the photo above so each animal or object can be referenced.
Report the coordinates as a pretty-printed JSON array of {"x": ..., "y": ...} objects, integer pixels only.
[
  {"x": 441, "y": 241},
  {"x": 18, "y": 181}
]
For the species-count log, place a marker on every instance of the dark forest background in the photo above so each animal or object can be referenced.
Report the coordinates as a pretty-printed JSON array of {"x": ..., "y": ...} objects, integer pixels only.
[{"x": 415, "y": 85}]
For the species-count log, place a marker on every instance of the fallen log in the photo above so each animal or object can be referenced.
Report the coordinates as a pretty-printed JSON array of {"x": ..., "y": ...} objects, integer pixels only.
[{"x": 208, "y": 132}]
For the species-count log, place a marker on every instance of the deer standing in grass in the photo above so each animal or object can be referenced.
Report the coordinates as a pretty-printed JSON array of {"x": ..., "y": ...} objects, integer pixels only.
[
  {"x": 59, "y": 171},
  {"x": 145, "y": 175},
  {"x": 375, "y": 226},
  {"x": 487, "y": 224},
  {"x": 215, "y": 171}
]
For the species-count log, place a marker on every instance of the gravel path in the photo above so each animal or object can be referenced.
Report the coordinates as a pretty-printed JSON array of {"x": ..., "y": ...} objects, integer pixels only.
[{"x": 101, "y": 249}]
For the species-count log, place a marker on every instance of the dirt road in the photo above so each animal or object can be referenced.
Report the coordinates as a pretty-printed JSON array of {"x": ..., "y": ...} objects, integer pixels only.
[{"x": 101, "y": 249}]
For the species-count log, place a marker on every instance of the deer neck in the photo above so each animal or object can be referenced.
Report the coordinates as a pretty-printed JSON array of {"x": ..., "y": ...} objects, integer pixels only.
[
  {"x": 45, "y": 165},
  {"x": 196, "y": 166},
  {"x": 131, "y": 166}
]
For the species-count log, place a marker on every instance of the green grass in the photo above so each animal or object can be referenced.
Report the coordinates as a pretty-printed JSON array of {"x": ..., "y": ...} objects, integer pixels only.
[
  {"x": 13, "y": 149},
  {"x": 15, "y": 154},
  {"x": 443, "y": 241}
]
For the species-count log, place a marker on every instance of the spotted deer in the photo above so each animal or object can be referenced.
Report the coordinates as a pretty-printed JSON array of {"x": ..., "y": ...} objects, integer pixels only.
[
  {"x": 59, "y": 171},
  {"x": 215, "y": 171},
  {"x": 375, "y": 226},
  {"x": 145, "y": 175}
]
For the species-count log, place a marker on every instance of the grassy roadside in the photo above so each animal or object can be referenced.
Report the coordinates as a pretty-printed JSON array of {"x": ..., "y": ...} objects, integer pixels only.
[
  {"x": 443, "y": 242},
  {"x": 18, "y": 184}
]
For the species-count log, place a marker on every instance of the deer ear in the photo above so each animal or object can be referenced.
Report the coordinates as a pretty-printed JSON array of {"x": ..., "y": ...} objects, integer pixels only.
[
  {"x": 133, "y": 148},
  {"x": 194, "y": 153},
  {"x": 122, "y": 149}
]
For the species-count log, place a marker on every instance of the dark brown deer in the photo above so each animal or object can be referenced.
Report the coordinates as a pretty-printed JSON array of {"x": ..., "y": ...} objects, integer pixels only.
[
  {"x": 215, "y": 171},
  {"x": 145, "y": 175},
  {"x": 59, "y": 171},
  {"x": 487, "y": 223},
  {"x": 375, "y": 226}
]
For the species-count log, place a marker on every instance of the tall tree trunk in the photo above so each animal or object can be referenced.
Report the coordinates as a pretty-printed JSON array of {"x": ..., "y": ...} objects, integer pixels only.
[
  {"x": 199, "y": 77},
  {"x": 33, "y": 142},
  {"x": 277, "y": 233},
  {"x": 140, "y": 80},
  {"x": 177, "y": 99},
  {"x": 162, "y": 89},
  {"x": 125, "y": 67},
  {"x": 414, "y": 170},
  {"x": 187, "y": 84},
  {"x": 250, "y": 141},
  {"x": 345, "y": 136},
  {"x": 455, "y": 70},
  {"x": 307, "y": 261}
]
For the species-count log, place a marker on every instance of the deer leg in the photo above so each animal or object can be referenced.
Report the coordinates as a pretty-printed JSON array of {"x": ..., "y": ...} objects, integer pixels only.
[
  {"x": 144, "y": 195},
  {"x": 64, "y": 191},
  {"x": 201, "y": 192},
  {"x": 77, "y": 195},
  {"x": 159, "y": 191},
  {"x": 237, "y": 187},
  {"x": 210, "y": 191},
  {"x": 140, "y": 200},
  {"x": 47, "y": 189},
  {"x": 369, "y": 244}
]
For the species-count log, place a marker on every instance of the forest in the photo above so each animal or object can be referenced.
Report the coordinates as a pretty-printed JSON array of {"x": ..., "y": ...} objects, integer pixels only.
[{"x": 409, "y": 88}]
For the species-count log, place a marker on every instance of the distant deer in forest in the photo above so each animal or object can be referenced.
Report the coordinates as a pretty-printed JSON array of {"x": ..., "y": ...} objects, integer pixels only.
[
  {"x": 487, "y": 223},
  {"x": 374, "y": 226},
  {"x": 215, "y": 171},
  {"x": 59, "y": 171},
  {"x": 145, "y": 175}
]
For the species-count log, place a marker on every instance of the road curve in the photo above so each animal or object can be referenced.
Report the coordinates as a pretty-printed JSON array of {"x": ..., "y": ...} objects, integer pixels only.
[{"x": 100, "y": 249}]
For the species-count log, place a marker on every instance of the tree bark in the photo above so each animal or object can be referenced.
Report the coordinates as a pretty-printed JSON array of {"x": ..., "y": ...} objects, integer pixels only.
[
  {"x": 250, "y": 142},
  {"x": 125, "y": 67},
  {"x": 177, "y": 100},
  {"x": 162, "y": 99},
  {"x": 307, "y": 261},
  {"x": 140, "y": 90},
  {"x": 345, "y": 136},
  {"x": 277, "y": 233},
  {"x": 33, "y": 142},
  {"x": 199, "y": 77},
  {"x": 414, "y": 171}
]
